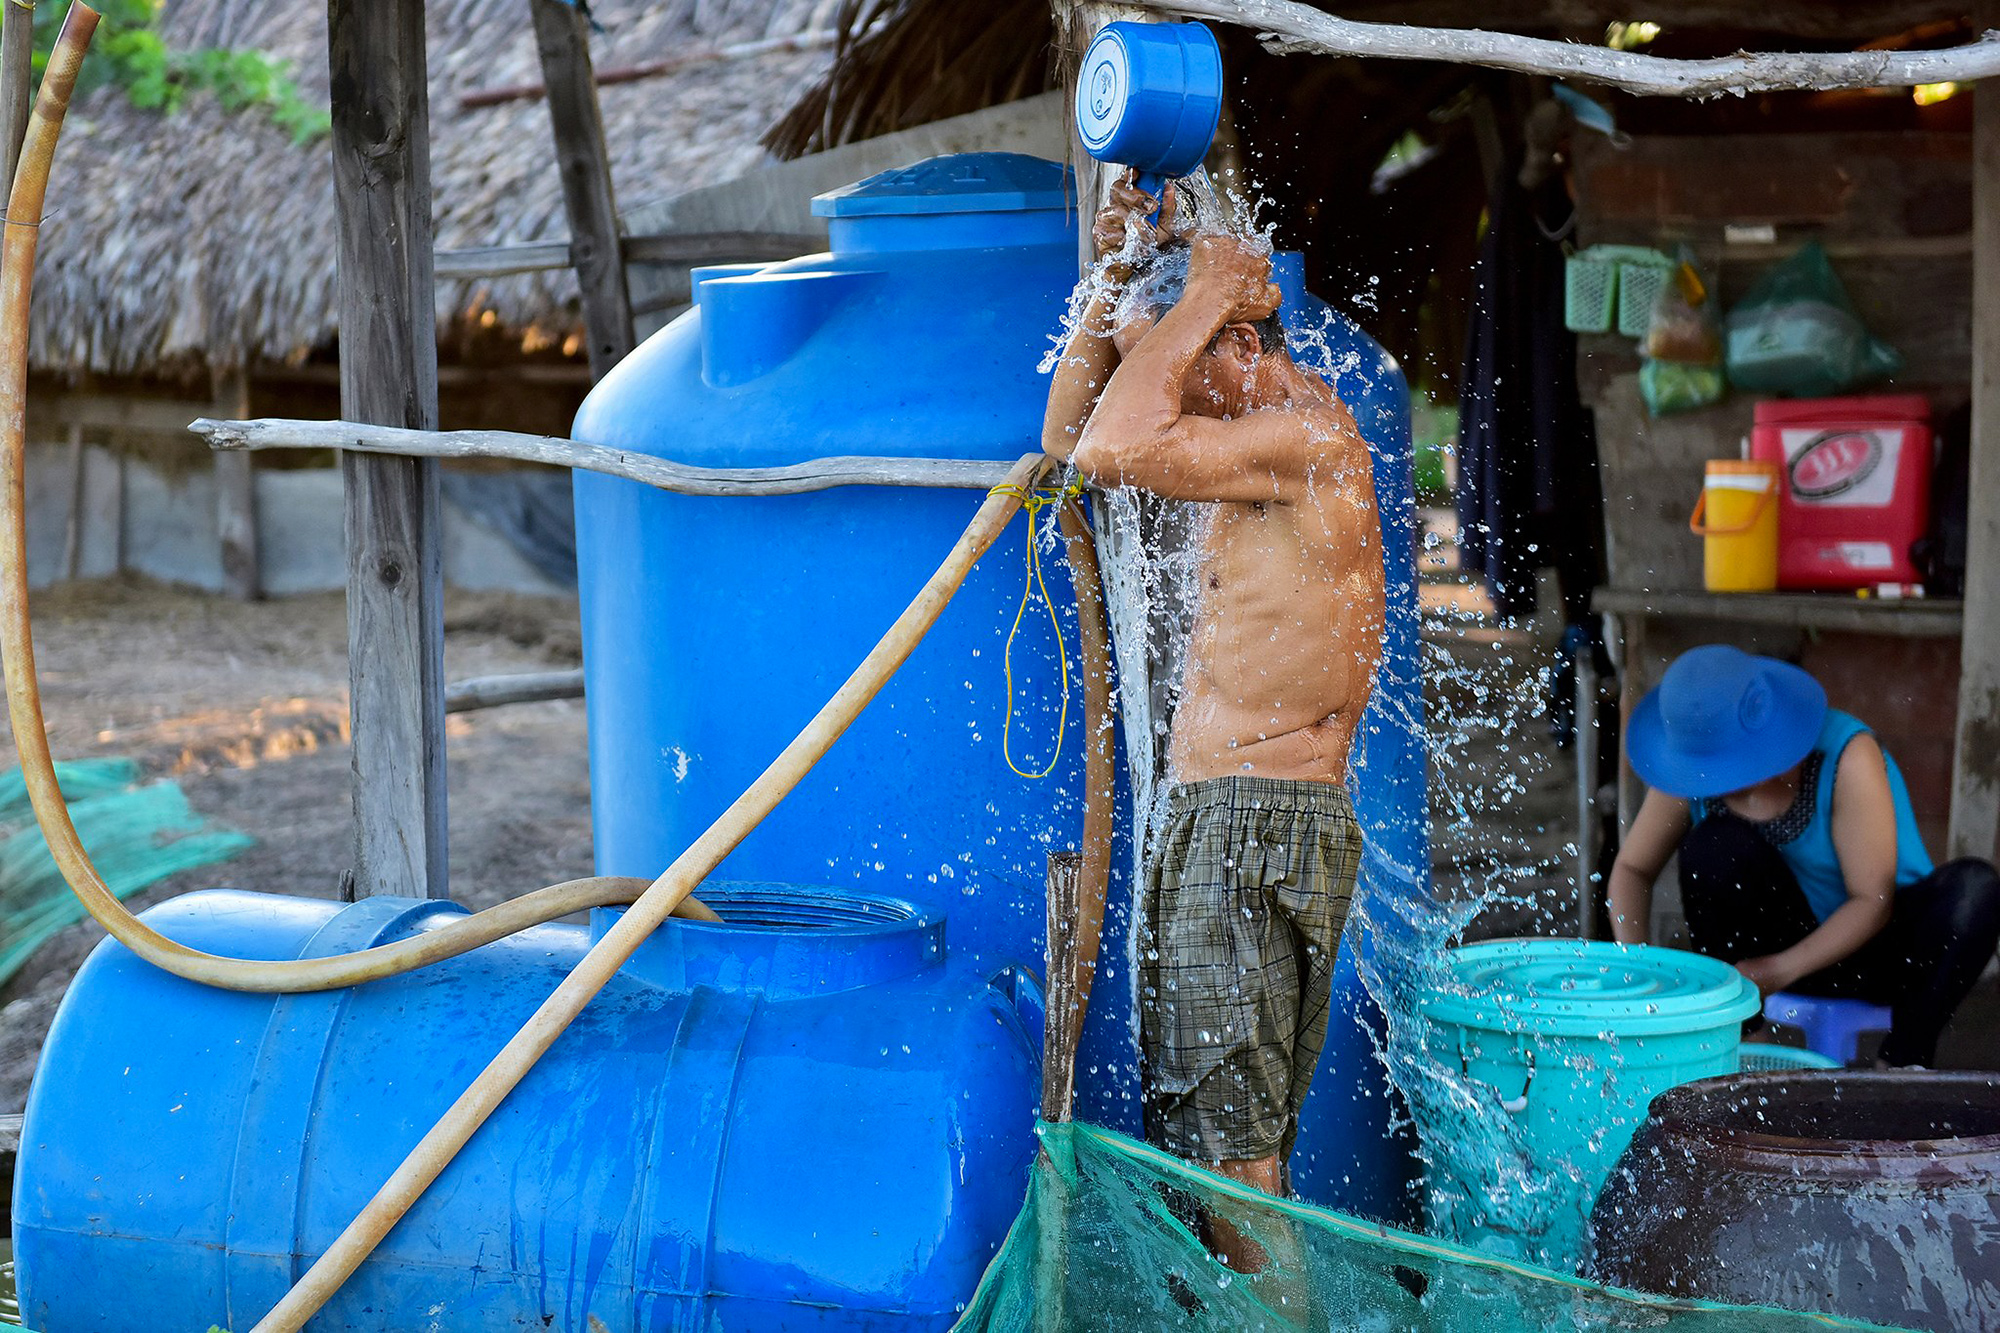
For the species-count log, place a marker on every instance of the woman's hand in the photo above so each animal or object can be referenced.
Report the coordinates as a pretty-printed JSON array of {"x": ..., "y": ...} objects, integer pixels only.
[
  {"x": 1236, "y": 273},
  {"x": 1773, "y": 972}
]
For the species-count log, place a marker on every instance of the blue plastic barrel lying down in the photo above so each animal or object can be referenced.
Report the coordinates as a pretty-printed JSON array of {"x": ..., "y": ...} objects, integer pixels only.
[{"x": 810, "y": 1118}]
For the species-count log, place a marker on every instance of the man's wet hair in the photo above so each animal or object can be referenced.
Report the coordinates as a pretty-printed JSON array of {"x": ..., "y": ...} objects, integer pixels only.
[{"x": 1159, "y": 280}]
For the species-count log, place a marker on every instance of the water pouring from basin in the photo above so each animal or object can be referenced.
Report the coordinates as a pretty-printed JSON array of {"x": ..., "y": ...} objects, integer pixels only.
[{"x": 1149, "y": 97}]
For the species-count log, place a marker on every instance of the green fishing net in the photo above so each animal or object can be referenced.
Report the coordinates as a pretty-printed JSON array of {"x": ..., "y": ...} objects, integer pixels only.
[
  {"x": 136, "y": 834},
  {"x": 1108, "y": 1242}
]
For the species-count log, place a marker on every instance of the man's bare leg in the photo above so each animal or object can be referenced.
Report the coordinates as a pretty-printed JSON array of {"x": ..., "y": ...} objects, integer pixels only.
[
  {"x": 1237, "y": 1250},
  {"x": 1244, "y": 1255}
]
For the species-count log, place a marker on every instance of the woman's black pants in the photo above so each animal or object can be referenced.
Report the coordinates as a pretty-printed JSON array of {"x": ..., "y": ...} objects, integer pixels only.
[{"x": 1742, "y": 901}]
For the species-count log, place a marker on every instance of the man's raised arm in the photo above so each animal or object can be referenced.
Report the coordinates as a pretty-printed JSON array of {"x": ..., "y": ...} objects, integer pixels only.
[
  {"x": 1139, "y": 434},
  {"x": 1090, "y": 357}
]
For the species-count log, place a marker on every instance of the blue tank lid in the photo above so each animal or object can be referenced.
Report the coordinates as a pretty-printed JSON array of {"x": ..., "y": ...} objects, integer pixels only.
[
  {"x": 962, "y": 201},
  {"x": 955, "y": 183}
]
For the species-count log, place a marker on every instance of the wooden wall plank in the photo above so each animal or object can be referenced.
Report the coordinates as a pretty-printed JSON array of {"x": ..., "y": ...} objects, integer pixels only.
[
  {"x": 236, "y": 498},
  {"x": 388, "y": 375},
  {"x": 1975, "y": 782},
  {"x": 562, "y": 37}
]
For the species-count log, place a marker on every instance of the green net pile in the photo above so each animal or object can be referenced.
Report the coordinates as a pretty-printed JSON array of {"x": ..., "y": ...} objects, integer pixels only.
[
  {"x": 1107, "y": 1242},
  {"x": 136, "y": 834}
]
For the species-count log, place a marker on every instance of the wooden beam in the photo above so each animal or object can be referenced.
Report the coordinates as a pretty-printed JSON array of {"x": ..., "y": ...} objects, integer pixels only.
[
  {"x": 236, "y": 497},
  {"x": 463, "y": 696},
  {"x": 1975, "y": 768},
  {"x": 562, "y": 37},
  {"x": 817, "y": 475},
  {"x": 1849, "y": 20},
  {"x": 653, "y": 69},
  {"x": 388, "y": 374},
  {"x": 1909, "y": 618},
  {"x": 1288, "y": 27},
  {"x": 684, "y": 250}
]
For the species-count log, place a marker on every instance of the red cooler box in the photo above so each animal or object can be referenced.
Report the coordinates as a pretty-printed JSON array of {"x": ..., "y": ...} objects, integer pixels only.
[{"x": 1857, "y": 487}]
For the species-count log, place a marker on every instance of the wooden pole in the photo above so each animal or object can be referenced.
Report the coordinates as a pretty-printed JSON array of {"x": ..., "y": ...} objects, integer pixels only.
[
  {"x": 17, "y": 75},
  {"x": 1121, "y": 550},
  {"x": 388, "y": 375},
  {"x": 816, "y": 474},
  {"x": 1066, "y": 994},
  {"x": 73, "y": 526},
  {"x": 236, "y": 495},
  {"x": 562, "y": 36},
  {"x": 1975, "y": 769}
]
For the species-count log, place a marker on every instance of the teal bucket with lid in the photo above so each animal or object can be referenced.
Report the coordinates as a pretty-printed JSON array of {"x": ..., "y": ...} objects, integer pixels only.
[{"x": 1544, "y": 1056}]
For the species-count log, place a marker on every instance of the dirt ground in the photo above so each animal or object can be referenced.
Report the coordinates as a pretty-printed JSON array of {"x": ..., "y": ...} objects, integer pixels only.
[{"x": 245, "y": 705}]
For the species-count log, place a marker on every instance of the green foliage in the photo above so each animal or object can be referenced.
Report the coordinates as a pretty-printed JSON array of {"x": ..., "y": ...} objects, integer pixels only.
[{"x": 128, "y": 52}]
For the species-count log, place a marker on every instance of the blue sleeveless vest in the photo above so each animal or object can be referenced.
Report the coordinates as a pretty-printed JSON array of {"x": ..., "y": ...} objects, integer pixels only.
[{"x": 1811, "y": 855}]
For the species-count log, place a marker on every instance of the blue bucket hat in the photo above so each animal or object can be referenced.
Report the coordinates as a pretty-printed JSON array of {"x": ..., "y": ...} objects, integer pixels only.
[{"x": 1722, "y": 720}]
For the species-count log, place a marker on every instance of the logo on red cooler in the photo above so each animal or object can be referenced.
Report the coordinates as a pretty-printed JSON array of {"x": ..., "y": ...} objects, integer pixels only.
[{"x": 1834, "y": 463}]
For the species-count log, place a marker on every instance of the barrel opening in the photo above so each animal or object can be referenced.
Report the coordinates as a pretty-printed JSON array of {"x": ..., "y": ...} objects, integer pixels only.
[
  {"x": 800, "y": 907},
  {"x": 1857, "y": 1108}
]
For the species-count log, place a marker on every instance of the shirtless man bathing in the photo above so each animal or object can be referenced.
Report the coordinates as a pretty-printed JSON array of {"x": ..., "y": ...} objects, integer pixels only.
[{"x": 1182, "y": 385}]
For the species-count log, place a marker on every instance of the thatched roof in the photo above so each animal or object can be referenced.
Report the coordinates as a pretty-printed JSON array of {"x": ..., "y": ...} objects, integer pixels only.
[{"x": 203, "y": 239}]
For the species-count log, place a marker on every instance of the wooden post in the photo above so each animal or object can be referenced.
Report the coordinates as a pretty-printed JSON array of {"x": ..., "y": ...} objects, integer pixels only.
[
  {"x": 1063, "y": 1021},
  {"x": 562, "y": 36},
  {"x": 1975, "y": 769},
  {"x": 1123, "y": 552},
  {"x": 72, "y": 560},
  {"x": 17, "y": 77},
  {"x": 236, "y": 495},
  {"x": 388, "y": 375},
  {"x": 1586, "y": 794}
]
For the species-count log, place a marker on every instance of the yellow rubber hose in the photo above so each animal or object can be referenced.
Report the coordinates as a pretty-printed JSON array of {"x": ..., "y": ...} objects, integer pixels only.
[
  {"x": 17, "y": 648},
  {"x": 430, "y": 1157}
]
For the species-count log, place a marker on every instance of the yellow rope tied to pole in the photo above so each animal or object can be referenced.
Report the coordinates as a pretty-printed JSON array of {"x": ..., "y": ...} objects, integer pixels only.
[{"x": 1033, "y": 501}]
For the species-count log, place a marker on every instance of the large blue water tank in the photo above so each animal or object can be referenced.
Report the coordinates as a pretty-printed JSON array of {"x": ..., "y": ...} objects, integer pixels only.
[
  {"x": 808, "y": 1119},
  {"x": 1355, "y": 1149},
  {"x": 714, "y": 628}
]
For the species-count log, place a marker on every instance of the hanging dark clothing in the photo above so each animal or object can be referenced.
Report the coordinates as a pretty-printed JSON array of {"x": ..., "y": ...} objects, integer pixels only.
[{"x": 1528, "y": 492}]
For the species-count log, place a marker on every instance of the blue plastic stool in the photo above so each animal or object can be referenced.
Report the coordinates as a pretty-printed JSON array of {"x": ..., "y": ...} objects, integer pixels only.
[{"x": 1832, "y": 1027}]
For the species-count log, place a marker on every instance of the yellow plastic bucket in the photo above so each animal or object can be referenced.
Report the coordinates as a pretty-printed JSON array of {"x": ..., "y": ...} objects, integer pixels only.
[{"x": 1737, "y": 520}]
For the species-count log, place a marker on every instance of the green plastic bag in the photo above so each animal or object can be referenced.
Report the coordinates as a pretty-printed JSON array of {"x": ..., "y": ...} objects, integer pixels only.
[
  {"x": 1682, "y": 349},
  {"x": 1105, "y": 1245},
  {"x": 1796, "y": 332}
]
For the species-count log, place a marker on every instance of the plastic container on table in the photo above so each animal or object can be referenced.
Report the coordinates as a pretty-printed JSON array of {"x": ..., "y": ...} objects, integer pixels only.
[
  {"x": 1737, "y": 521},
  {"x": 1857, "y": 487},
  {"x": 1561, "y": 1045}
]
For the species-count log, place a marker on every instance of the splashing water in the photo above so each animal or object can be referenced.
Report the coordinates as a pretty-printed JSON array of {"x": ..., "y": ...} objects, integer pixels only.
[{"x": 1151, "y": 554}]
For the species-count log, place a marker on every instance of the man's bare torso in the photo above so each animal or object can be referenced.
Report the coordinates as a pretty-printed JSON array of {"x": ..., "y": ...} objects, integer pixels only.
[{"x": 1288, "y": 630}]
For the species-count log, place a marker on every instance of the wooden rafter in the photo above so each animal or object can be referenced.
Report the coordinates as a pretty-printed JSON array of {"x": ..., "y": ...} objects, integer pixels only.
[{"x": 1289, "y": 27}]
